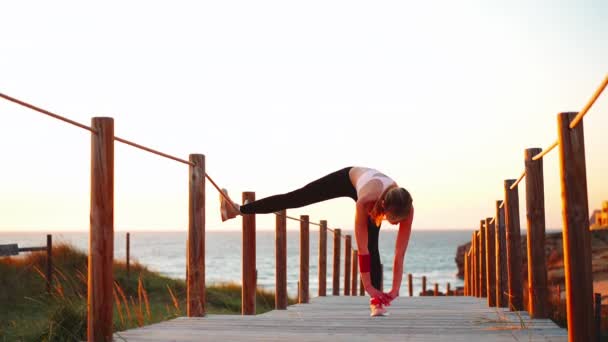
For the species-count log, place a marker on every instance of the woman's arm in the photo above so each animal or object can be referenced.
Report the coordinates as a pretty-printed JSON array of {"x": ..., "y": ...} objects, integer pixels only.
[
  {"x": 361, "y": 237},
  {"x": 403, "y": 238}
]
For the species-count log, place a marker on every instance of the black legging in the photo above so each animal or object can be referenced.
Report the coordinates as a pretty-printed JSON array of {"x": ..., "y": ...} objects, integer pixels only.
[{"x": 334, "y": 185}]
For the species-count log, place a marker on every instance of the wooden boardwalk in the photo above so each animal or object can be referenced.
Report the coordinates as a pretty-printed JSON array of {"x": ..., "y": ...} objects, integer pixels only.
[{"x": 452, "y": 319}]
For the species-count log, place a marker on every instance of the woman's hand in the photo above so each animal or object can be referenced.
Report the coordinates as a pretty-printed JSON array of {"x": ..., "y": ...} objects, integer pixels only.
[{"x": 375, "y": 293}]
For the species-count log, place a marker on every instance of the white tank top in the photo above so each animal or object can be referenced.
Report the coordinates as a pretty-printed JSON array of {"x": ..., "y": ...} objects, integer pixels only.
[{"x": 373, "y": 174}]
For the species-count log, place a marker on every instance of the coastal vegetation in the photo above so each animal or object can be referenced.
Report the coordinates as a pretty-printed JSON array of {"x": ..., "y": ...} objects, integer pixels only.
[{"x": 29, "y": 313}]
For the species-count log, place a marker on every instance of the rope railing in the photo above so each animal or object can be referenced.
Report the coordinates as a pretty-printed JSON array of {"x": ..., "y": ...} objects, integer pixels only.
[
  {"x": 546, "y": 151},
  {"x": 46, "y": 112},
  {"x": 582, "y": 113},
  {"x": 313, "y": 223},
  {"x": 573, "y": 124},
  {"x": 103, "y": 154},
  {"x": 133, "y": 144},
  {"x": 147, "y": 149},
  {"x": 514, "y": 185},
  {"x": 495, "y": 254}
]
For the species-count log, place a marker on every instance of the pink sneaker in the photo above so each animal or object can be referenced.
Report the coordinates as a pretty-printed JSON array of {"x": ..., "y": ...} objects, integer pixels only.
[
  {"x": 376, "y": 307},
  {"x": 227, "y": 210},
  {"x": 377, "y": 310}
]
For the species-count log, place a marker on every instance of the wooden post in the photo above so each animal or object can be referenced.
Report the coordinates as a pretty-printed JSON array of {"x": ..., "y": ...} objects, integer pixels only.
[
  {"x": 410, "y": 285},
  {"x": 538, "y": 300},
  {"x": 323, "y": 258},
  {"x": 304, "y": 264},
  {"x": 101, "y": 235},
  {"x": 466, "y": 273},
  {"x": 49, "y": 263},
  {"x": 470, "y": 273},
  {"x": 514, "y": 262},
  {"x": 502, "y": 277},
  {"x": 598, "y": 316},
  {"x": 491, "y": 261},
  {"x": 478, "y": 265},
  {"x": 248, "y": 260},
  {"x": 347, "y": 252},
  {"x": 336, "y": 273},
  {"x": 424, "y": 285},
  {"x": 128, "y": 261},
  {"x": 280, "y": 296},
  {"x": 576, "y": 235},
  {"x": 436, "y": 290},
  {"x": 195, "y": 293},
  {"x": 354, "y": 271},
  {"x": 474, "y": 264},
  {"x": 482, "y": 253}
]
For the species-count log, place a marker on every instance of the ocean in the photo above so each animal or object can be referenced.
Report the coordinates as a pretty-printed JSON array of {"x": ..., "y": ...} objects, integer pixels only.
[{"x": 430, "y": 253}]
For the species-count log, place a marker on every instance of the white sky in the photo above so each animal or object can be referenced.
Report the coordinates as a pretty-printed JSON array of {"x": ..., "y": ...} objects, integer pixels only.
[{"x": 444, "y": 96}]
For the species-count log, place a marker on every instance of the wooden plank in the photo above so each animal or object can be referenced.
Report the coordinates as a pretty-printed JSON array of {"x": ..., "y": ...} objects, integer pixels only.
[{"x": 454, "y": 319}]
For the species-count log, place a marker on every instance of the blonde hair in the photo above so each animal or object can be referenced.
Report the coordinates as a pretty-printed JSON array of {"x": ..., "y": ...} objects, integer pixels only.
[{"x": 396, "y": 200}]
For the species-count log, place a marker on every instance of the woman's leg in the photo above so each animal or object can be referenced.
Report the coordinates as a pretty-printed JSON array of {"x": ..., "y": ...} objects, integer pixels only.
[
  {"x": 335, "y": 184},
  {"x": 374, "y": 253}
]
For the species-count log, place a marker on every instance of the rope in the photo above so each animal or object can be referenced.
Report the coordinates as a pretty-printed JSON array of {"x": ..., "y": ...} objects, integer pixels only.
[
  {"x": 141, "y": 147},
  {"x": 124, "y": 141},
  {"x": 546, "y": 151},
  {"x": 147, "y": 149},
  {"x": 53, "y": 115},
  {"x": 313, "y": 223},
  {"x": 514, "y": 185},
  {"x": 573, "y": 123},
  {"x": 582, "y": 113}
]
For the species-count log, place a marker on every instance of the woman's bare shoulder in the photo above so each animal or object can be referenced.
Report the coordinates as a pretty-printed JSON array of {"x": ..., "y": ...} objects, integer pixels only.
[{"x": 355, "y": 172}]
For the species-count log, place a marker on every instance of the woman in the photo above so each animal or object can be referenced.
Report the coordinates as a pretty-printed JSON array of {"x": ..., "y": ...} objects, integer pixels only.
[{"x": 377, "y": 197}]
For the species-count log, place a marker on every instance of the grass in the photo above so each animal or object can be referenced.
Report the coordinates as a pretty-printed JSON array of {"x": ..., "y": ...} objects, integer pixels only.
[{"x": 29, "y": 313}]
